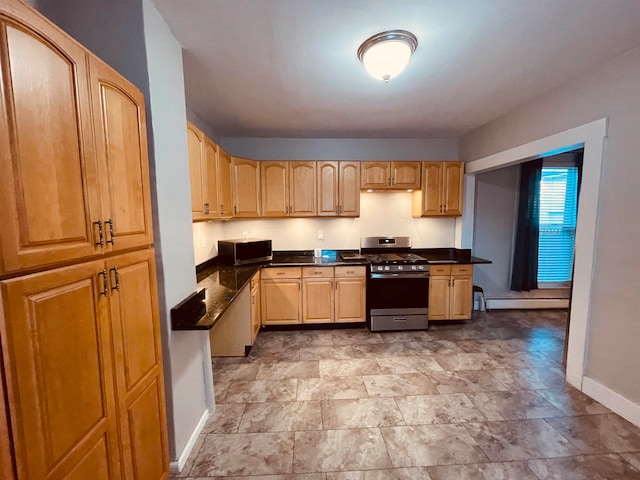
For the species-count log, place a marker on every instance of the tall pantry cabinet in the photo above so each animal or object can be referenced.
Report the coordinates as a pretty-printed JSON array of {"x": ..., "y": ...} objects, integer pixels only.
[{"x": 81, "y": 385}]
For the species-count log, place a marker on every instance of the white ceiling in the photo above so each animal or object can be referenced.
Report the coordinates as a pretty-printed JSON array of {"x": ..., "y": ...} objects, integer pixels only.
[{"x": 288, "y": 68}]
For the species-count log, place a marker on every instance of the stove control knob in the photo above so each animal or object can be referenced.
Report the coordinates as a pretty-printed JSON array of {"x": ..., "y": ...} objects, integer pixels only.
[
  {"x": 400, "y": 267},
  {"x": 386, "y": 269},
  {"x": 380, "y": 268},
  {"x": 420, "y": 267},
  {"x": 413, "y": 267}
]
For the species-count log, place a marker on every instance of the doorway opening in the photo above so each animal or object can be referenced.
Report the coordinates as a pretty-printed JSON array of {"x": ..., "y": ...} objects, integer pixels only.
[{"x": 591, "y": 137}]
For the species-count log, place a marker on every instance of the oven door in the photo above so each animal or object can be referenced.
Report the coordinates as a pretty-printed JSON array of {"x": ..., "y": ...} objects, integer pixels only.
[
  {"x": 397, "y": 301},
  {"x": 398, "y": 291}
]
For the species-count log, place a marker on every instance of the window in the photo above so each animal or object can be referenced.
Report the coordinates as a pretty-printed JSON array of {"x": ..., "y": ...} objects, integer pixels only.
[{"x": 558, "y": 214}]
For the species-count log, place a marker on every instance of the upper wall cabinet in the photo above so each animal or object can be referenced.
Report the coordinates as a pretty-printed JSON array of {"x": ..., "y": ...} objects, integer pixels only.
[
  {"x": 102, "y": 202},
  {"x": 123, "y": 163},
  {"x": 288, "y": 189},
  {"x": 225, "y": 192},
  {"x": 338, "y": 189},
  {"x": 390, "y": 175},
  {"x": 246, "y": 188},
  {"x": 441, "y": 193},
  {"x": 210, "y": 174}
]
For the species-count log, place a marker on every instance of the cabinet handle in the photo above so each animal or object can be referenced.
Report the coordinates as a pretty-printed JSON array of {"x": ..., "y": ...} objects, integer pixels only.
[
  {"x": 235, "y": 210},
  {"x": 104, "y": 290},
  {"x": 112, "y": 240},
  {"x": 221, "y": 208},
  {"x": 279, "y": 273},
  {"x": 389, "y": 181},
  {"x": 206, "y": 209},
  {"x": 453, "y": 282},
  {"x": 100, "y": 235},
  {"x": 116, "y": 278}
]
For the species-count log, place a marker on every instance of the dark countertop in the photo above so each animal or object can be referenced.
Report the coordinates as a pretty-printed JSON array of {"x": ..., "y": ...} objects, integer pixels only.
[
  {"x": 449, "y": 256},
  {"x": 223, "y": 283}
]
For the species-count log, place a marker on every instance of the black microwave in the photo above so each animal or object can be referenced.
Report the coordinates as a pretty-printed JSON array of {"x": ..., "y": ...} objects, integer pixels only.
[{"x": 244, "y": 251}]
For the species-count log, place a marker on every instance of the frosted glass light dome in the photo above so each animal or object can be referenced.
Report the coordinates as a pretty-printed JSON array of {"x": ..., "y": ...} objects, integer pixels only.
[{"x": 386, "y": 54}]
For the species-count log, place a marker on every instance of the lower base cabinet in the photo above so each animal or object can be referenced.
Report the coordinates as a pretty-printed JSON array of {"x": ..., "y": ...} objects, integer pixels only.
[
  {"x": 238, "y": 327},
  {"x": 82, "y": 365},
  {"x": 450, "y": 292},
  {"x": 292, "y": 295}
]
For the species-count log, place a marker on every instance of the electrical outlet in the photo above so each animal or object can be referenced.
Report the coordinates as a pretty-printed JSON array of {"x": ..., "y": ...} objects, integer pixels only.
[{"x": 320, "y": 234}]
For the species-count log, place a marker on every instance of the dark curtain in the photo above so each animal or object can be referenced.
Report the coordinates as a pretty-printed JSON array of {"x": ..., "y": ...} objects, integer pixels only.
[{"x": 525, "y": 258}]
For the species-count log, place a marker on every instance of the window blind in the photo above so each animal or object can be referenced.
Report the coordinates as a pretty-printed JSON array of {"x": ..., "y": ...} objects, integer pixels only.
[{"x": 558, "y": 214}]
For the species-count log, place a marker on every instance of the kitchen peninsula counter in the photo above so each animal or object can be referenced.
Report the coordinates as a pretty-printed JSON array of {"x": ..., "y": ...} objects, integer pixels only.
[{"x": 223, "y": 283}]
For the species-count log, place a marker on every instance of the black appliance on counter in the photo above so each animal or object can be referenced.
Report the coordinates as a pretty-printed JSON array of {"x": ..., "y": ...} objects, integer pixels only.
[
  {"x": 397, "y": 285},
  {"x": 244, "y": 251}
]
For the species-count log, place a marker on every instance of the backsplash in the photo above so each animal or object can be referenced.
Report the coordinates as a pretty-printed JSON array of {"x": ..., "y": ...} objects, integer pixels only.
[{"x": 380, "y": 214}]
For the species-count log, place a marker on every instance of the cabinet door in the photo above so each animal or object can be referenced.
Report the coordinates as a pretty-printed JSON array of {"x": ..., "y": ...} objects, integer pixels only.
[
  {"x": 121, "y": 147},
  {"x": 328, "y": 189},
  {"x": 280, "y": 301},
  {"x": 317, "y": 300},
  {"x": 452, "y": 180},
  {"x": 225, "y": 193},
  {"x": 461, "y": 302},
  {"x": 255, "y": 313},
  {"x": 210, "y": 179},
  {"x": 432, "y": 188},
  {"x": 56, "y": 347},
  {"x": 349, "y": 189},
  {"x": 139, "y": 377},
  {"x": 246, "y": 188},
  {"x": 49, "y": 197},
  {"x": 350, "y": 299},
  {"x": 302, "y": 189},
  {"x": 405, "y": 175},
  {"x": 197, "y": 169},
  {"x": 273, "y": 182},
  {"x": 439, "y": 297},
  {"x": 375, "y": 175}
]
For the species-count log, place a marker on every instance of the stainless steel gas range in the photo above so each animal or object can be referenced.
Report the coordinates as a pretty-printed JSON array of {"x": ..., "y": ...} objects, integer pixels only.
[{"x": 397, "y": 285}]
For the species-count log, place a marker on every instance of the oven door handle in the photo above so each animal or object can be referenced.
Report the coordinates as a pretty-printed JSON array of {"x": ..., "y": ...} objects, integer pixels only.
[{"x": 400, "y": 276}]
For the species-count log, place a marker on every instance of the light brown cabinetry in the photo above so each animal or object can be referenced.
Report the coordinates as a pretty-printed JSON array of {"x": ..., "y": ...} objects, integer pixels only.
[
  {"x": 281, "y": 299},
  {"x": 210, "y": 175},
  {"x": 441, "y": 192},
  {"x": 66, "y": 196},
  {"x": 450, "y": 292},
  {"x": 288, "y": 188},
  {"x": 256, "y": 307},
  {"x": 317, "y": 295},
  {"x": 390, "y": 175},
  {"x": 350, "y": 294},
  {"x": 82, "y": 393},
  {"x": 81, "y": 348},
  {"x": 225, "y": 193},
  {"x": 338, "y": 189},
  {"x": 327, "y": 295},
  {"x": 246, "y": 188}
]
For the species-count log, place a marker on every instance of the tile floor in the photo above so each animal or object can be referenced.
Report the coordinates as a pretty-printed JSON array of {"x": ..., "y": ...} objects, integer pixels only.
[{"x": 482, "y": 400}]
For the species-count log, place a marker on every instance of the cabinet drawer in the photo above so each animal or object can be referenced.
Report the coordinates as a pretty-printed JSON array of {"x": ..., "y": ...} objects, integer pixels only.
[
  {"x": 439, "y": 270},
  {"x": 461, "y": 269},
  {"x": 281, "y": 272},
  {"x": 317, "y": 272},
  {"x": 351, "y": 272}
]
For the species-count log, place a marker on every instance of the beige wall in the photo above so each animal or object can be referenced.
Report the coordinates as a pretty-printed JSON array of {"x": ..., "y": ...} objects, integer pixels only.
[{"x": 610, "y": 91}]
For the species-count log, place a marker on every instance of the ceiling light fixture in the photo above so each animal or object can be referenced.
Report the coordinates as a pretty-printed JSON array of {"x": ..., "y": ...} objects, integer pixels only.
[{"x": 386, "y": 54}]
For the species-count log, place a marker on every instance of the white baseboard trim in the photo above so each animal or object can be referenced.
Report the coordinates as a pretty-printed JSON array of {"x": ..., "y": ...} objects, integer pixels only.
[
  {"x": 612, "y": 400},
  {"x": 516, "y": 303},
  {"x": 178, "y": 465}
]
